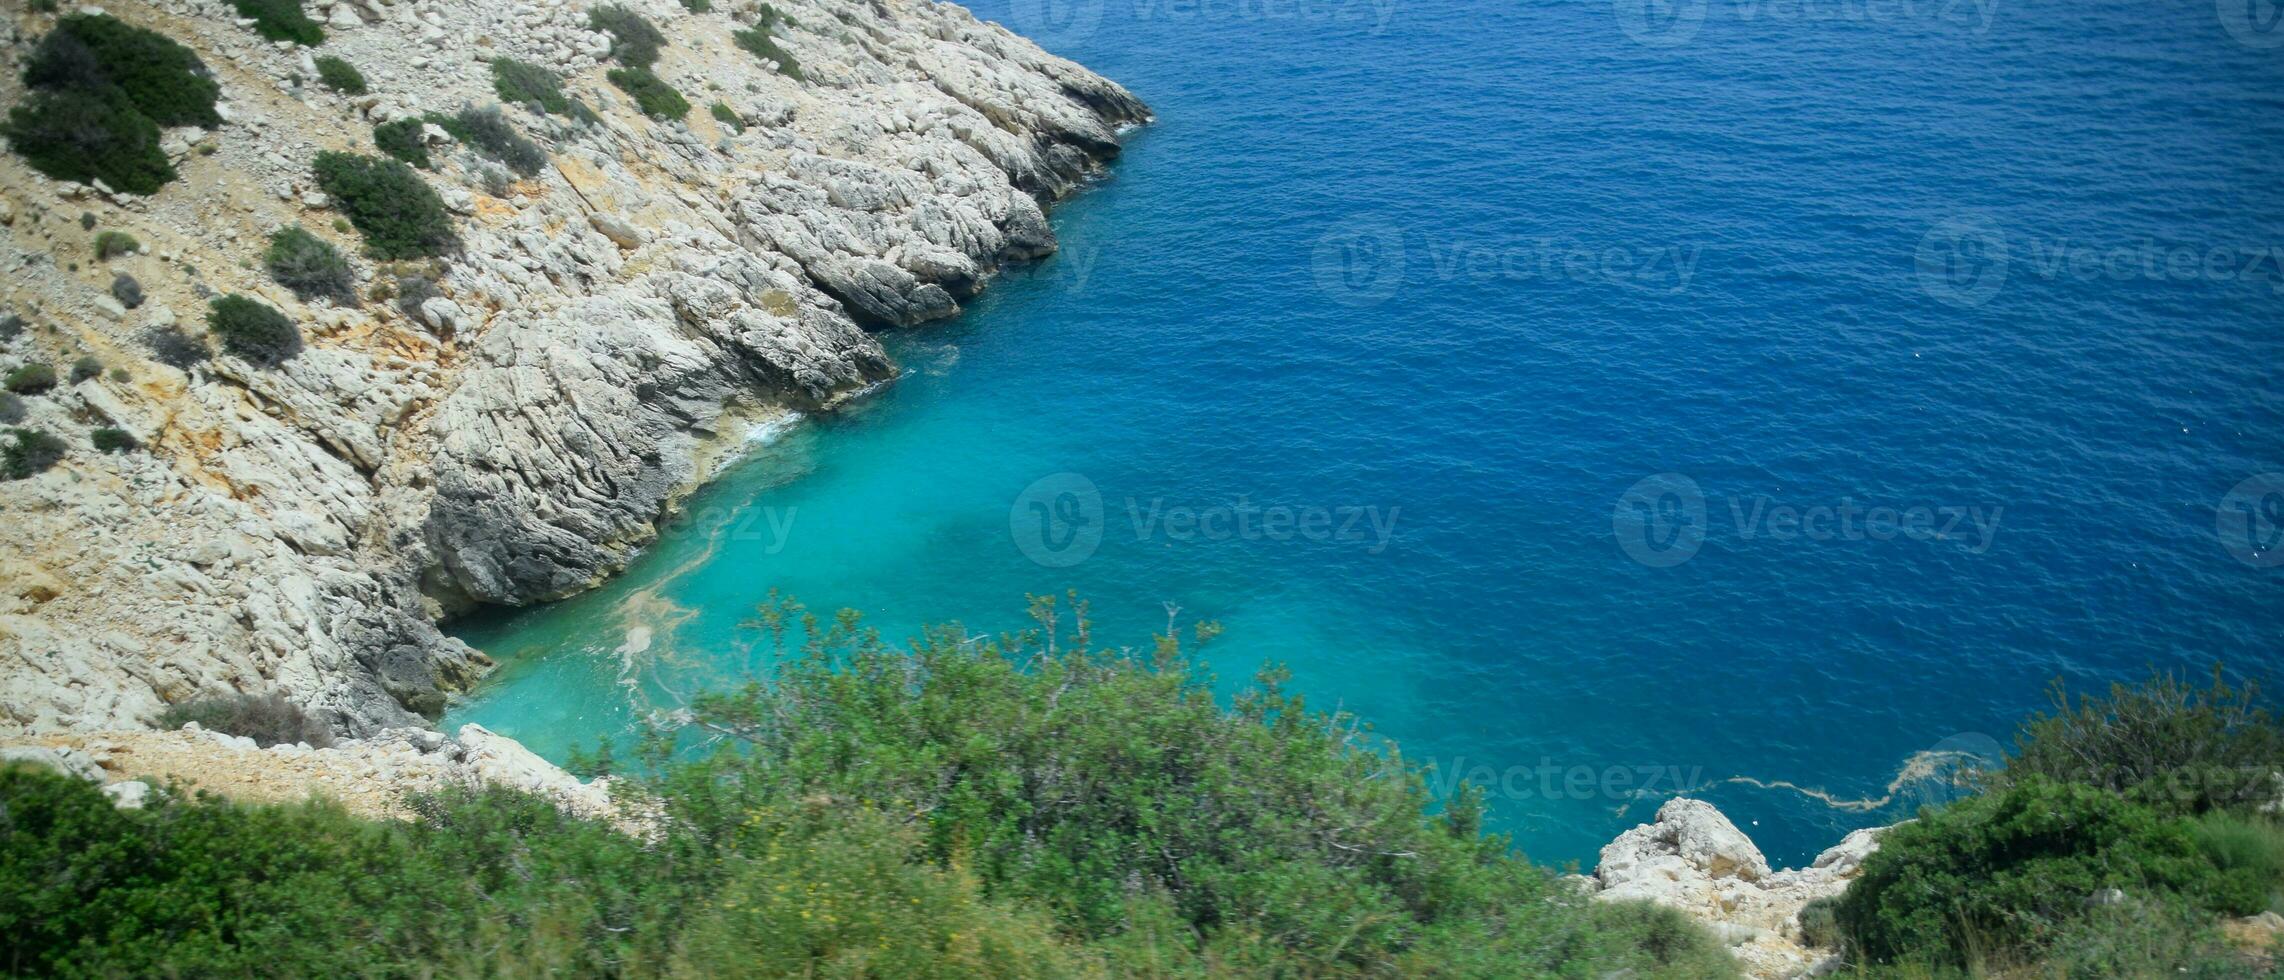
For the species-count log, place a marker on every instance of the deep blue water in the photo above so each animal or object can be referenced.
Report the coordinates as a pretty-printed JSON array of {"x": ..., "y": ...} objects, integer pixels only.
[{"x": 1482, "y": 269}]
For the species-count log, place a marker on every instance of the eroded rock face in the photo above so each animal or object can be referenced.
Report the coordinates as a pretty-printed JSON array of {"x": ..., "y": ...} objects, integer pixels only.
[
  {"x": 1693, "y": 859},
  {"x": 514, "y": 437}
]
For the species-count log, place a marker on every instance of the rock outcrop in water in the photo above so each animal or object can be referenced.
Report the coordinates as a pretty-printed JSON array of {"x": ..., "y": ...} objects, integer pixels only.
[{"x": 515, "y": 437}]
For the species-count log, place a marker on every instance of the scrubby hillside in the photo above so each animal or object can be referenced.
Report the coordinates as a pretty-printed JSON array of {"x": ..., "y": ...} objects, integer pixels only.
[{"x": 438, "y": 303}]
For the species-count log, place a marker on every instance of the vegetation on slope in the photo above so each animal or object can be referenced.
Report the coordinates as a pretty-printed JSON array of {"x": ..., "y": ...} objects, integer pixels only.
[
  {"x": 1009, "y": 808},
  {"x": 98, "y": 91},
  {"x": 2112, "y": 843}
]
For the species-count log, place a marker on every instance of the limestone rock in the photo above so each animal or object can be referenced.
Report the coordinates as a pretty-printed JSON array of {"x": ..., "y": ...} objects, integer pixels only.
[{"x": 513, "y": 432}]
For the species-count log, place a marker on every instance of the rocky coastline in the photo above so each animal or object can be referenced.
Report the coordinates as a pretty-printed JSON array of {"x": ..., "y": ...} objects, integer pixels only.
[{"x": 516, "y": 437}]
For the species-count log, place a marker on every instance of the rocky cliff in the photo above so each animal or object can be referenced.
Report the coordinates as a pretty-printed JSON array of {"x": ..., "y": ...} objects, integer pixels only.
[
  {"x": 1692, "y": 858},
  {"x": 515, "y": 436}
]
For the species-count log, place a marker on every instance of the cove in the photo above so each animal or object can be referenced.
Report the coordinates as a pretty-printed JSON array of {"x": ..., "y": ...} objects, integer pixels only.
[{"x": 1544, "y": 328}]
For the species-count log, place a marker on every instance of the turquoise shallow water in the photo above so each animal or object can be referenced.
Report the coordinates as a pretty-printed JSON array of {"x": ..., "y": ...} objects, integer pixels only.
[{"x": 1770, "y": 391}]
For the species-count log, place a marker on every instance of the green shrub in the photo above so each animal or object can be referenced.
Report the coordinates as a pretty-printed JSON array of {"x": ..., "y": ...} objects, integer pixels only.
[
  {"x": 95, "y": 53},
  {"x": 2001, "y": 875},
  {"x": 11, "y": 408},
  {"x": 127, "y": 290},
  {"x": 760, "y": 44},
  {"x": 489, "y": 133},
  {"x": 1256, "y": 840},
  {"x": 85, "y": 368},
  {"x": 309, "y": 265},
  {"x": 11, "y": 327},
  {"x": 31, "y": 379},
  {"x": 99, "y": 91},
  {"x": 268, "y": 719},
  {"x": 27, "y": 454},
  {"x": 253, "y": 331},
  {"x": 2165, "y": 742},
  {"x": 282, "y": 20},
  {"x": 634, "y": 40},
  {"x": 340, "y": 75},
  {"x": 402, "y": 139},
  {"x": 89, "y": 136},
  {"x": 524, "y": 83},
  {"x": 724, "y": 114},
  {"x": 397, "y": 212},
  {"x": 175, "y": 349},
  {"x": 113, "y": 441},
  {"x": 413, "y": 290},
  {"x": 652, "y": 95},
  {"x": 112, "y": 244},
  {"x": 43, "y": 6},
  {"x": 698, "y": 6}
]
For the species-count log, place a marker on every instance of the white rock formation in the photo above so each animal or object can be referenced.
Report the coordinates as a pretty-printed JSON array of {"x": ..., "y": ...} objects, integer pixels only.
[
  {"x": 1693, "y": 859},
  {"x": 515, "y": 438}
]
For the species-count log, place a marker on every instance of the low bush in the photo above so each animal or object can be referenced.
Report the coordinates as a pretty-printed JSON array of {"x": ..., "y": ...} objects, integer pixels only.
[
  {"x": 698, "y": 6},
  {"x": 176, "y": 349},
  {"x": 253, "y": 331},
  {"x": 2165, "y": 742},
  {"x": 489, "y": 133},
  {"x": 402, "y": 139},
  {"x": 397, "y": 212},
  {"x": 11, "y": 408},
  {"x": 340, "y": 75},
  {"x": 89, "y": 136},
  {"x": 268, "y": 719},
  {"x": 2001, "y": 875},
  {"x": 112, "y": 244},
  {"x": 635, "y": 41},
  {"x": 652, "y": 95},
  {"x": 85, "y": 368},
  {"x": 127, "y": 290},
  {"x": 113, "y": 441},
  {"x": 29, "y": 453},
  {"x": 160, "y": 79},
  {"x": 282, "y": 20},
  {"x": 31, "y": 379},
  {"x": 11, "y": 327},
  {"x": 724, "y": 114},
  {"x": 309, "y": 265},
  {"x": 758, "y": 42},
  {"x": 965, "y": 809},
  {"x": 413, "y": 290},
  {"x": 524, "y": 83}
]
